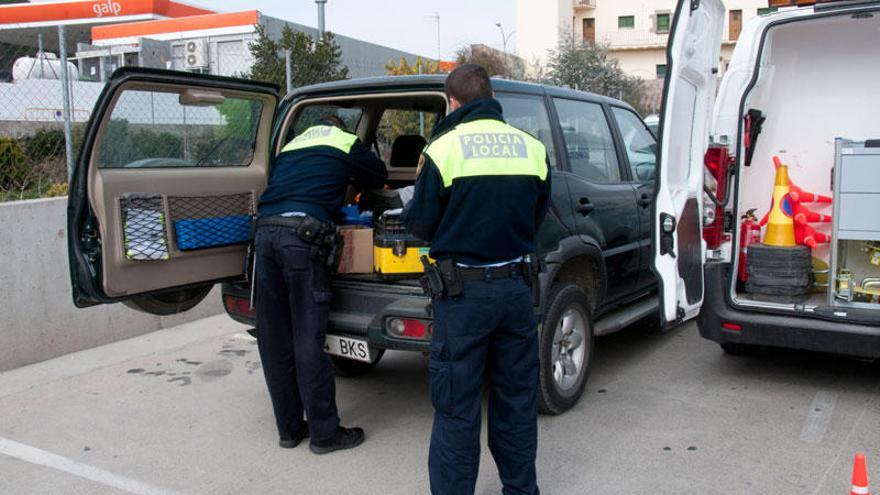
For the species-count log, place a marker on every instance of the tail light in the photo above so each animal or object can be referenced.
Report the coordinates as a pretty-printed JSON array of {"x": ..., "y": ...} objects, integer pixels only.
[
  {"x": 409, "y": 329},
  {"x": 733, "y": 327},
  {"x": 718, "y": 163},
  {"x": 239, "y": 306}
]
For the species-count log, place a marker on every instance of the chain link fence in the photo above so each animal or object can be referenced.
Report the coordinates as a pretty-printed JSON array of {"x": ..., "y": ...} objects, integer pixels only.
[{"x": 47, "y": 97}]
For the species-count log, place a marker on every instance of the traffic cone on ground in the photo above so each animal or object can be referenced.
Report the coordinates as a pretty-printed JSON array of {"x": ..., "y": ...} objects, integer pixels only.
[
  {"x": 860, "y": 477},
  {"x": 780, "y": 226}
]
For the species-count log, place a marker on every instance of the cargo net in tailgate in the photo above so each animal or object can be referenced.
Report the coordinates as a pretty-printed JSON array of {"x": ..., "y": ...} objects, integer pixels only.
[
  {"x": 143, "y": 227},
  {"x": 211, "y": 221}
]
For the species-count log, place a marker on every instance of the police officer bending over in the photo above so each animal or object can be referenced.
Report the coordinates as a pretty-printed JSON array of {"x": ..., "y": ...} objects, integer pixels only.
[
  {"x": 295, "y": 237},
  {"x": 479, "y": 198}
]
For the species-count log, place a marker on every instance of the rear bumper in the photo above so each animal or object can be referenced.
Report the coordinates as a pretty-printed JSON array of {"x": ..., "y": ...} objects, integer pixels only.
[
  {"x": 360, "y": 310},
  {"x": 812, "y": 333}
]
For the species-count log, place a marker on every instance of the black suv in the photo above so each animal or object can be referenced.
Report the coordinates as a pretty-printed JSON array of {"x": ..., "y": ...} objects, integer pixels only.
[{"x": 144, "y": 217}]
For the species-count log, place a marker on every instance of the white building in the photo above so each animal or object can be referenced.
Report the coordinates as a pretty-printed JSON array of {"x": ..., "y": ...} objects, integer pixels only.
[{"x": 636, "y": 31}]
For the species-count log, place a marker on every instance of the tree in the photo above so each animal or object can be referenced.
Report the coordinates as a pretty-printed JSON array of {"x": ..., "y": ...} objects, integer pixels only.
[
  {"x": 586, "y": 66},
  {"x": 404, "y": 68},
  {"x": 312, "y": 61},
  {"x": 396, "y": 123},
  {"x": 494, "y": 61}
]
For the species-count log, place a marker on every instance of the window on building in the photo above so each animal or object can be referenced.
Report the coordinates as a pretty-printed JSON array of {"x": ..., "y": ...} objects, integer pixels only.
[
  {"x": 626, "y": 22},
  {"x": 767, "y": 10},
  {"x": 590, "y": 29},
  {"x": 661, "y": 71},
  {"x": 662, "y": 23},
  {"x": 736, "y": 24}
]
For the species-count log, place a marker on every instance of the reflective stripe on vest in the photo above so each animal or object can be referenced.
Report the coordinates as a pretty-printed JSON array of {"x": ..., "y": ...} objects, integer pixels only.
[
  {"x": 487, "y": 147},
  {"x": 322, "y": 135}
]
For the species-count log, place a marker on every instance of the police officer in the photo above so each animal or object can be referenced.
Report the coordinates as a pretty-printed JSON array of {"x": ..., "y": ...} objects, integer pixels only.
[
  {"x": 295, "y": 237},
  {"x": 482, "y": 191}
]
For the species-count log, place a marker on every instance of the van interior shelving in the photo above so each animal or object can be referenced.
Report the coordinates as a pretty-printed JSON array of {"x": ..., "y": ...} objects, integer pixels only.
[{"x": 816, "y": 79}]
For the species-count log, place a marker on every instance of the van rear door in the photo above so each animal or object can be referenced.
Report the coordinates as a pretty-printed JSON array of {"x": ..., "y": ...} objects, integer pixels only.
[
  {"x": 165, "y": 187},
  {"x": 689, "y": 92}
]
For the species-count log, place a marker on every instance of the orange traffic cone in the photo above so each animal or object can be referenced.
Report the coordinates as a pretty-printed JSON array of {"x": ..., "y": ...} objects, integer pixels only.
[
  {"x": 860, "y": 477},
  {"x": 780, "y": 226}
]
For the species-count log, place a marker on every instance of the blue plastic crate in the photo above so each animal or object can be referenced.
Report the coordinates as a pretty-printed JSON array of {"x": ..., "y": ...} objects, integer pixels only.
[{"x": 201, "y": 233}]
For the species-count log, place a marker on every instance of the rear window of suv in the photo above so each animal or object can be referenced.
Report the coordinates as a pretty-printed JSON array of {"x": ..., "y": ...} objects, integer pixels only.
[{"x": 161, "y": 129}]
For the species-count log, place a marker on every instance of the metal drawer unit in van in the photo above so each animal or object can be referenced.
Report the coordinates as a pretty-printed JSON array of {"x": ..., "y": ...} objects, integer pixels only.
[{"x": 856, "y": 223}]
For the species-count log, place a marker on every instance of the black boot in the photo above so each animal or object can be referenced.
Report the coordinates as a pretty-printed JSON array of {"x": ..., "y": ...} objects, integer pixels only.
[
  {"x": 298, "y": 437},
  {"x": 345, "y": 438}
]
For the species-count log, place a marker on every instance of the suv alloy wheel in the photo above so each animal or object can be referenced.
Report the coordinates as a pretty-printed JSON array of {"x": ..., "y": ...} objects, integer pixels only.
[{"x": 566, "y": 349}]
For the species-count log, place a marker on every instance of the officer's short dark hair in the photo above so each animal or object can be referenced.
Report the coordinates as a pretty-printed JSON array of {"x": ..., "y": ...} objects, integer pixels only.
[
  {"x": 334, "y": 121},
  {"x": 467, "y": 83}
]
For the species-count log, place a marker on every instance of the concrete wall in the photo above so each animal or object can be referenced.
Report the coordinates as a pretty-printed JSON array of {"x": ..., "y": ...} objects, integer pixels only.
[{"x": 38, "y": 320}]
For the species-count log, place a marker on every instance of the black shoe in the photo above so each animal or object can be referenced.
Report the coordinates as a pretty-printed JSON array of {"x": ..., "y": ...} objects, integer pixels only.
[
  {"x": 345, "y": 438},
  {"x": 302, "y": 434}
]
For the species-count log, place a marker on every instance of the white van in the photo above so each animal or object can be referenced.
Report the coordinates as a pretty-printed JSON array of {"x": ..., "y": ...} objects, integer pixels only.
[{"x": 798, "y": 79}]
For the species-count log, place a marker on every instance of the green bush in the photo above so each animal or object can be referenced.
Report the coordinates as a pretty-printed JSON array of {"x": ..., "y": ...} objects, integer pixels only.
[
  {"x": 151, "y": 144},
  {"x": 46, "y": 143},
  {"x": 15, "y": 170}
]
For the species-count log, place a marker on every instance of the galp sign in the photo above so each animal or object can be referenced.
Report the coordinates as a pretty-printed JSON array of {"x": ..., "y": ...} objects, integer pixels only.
[{"x": 107, "y": 7}]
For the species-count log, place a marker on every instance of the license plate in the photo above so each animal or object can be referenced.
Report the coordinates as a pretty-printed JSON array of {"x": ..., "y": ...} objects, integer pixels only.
[{"x": 348, "y": 348}]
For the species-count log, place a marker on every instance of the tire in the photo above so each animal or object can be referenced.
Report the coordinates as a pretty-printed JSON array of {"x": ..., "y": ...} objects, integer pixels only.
[
  {"x": 563, "y": 374},
  {"x": 170, "y": 302},
  {"x": 737, "y": 349},
  {"x": 349, "y": 368}
]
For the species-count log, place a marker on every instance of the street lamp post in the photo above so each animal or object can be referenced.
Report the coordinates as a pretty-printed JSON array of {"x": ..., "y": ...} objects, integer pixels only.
[
  {"x": 436, "y": 18},
  {"x": 320, "y": 18},
  {"x": 504, "y": 38}
]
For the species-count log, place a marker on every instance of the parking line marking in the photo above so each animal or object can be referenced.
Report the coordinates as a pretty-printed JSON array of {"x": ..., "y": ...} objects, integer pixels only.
[
  {"x": 34, "y": 455},
  {"x": 818, "y": 417}
]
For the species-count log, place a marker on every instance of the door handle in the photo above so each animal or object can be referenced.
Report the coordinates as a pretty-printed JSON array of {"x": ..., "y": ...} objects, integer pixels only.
[
  {"x": 645, "y": 200},
  {"x": 584, "y": 207}
]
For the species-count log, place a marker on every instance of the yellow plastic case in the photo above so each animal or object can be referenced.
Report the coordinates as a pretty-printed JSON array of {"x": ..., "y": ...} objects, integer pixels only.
[{"x": 386, "y": 261}]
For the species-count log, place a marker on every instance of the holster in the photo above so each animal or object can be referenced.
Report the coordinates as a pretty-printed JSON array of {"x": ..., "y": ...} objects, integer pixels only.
[
  {"x": 450, "y": 273},
  {"x": 431, "y": 281}
]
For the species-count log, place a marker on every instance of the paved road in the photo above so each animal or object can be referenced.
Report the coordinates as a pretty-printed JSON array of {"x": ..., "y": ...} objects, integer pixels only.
[{"x": 185, "y": 411}]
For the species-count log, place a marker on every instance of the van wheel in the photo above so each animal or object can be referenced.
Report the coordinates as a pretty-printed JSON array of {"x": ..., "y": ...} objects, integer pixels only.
[
  {"x": 737, "y": 349},
  {"x": 349, "y": 368},
  {"x": 170, "y": 302},
  {"x": 566, "y": 349}
]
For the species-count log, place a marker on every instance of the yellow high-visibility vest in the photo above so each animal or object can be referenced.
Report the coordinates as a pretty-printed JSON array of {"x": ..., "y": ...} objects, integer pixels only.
[
  {"x": 322, "y": 135},
  {"x": 487, "y": 147}
]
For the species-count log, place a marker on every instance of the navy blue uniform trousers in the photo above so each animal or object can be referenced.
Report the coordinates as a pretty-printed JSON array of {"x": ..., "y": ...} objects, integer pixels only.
[
  {"x": 487, "y": 333},
  {"x": 293, "y": 303}
]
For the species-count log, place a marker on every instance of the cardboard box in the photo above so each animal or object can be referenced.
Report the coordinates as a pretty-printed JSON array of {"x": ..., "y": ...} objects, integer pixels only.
[{"x": 357, "y": 250}]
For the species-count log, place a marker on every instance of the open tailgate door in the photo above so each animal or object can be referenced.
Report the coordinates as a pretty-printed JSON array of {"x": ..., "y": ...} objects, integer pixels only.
[
  {"x": 165, "y": 187},
  {"x": 688, "y": 98}
]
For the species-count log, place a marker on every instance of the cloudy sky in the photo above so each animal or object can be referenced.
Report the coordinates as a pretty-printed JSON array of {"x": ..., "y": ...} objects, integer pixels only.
[{"x": 402, "y": 24}]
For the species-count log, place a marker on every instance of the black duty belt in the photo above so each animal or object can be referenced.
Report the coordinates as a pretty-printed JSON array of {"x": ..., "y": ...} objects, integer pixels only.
[
  {"x": 308, "y": 228},
  {"x": 510, "y": 270}
]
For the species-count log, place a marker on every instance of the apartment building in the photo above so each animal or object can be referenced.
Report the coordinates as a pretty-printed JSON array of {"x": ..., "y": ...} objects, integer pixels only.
[{"x": 636, "y": 31}]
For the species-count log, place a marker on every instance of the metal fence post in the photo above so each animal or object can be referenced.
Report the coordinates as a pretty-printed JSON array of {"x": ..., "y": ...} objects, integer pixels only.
[
  {"x": 65, "y": 93},
  {"x": 288, "y": 70}
]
